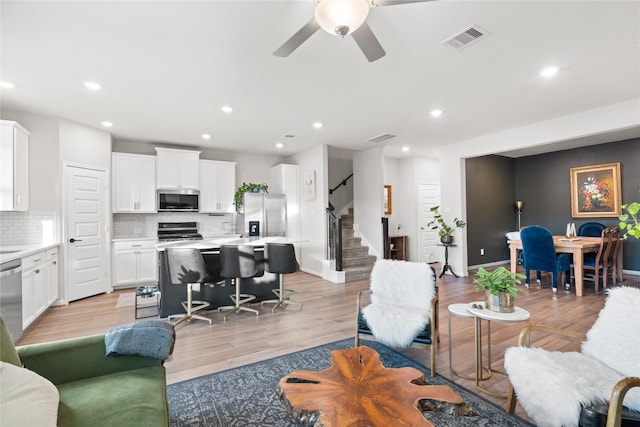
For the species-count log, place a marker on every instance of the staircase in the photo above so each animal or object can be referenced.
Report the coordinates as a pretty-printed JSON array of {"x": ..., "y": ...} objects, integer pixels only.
[{"x": 356, "y": 262}]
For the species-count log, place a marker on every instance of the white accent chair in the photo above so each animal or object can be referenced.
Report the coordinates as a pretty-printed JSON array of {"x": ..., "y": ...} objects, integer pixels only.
[
  {"x": 404, "y": 306},
  {"x": 582, "y": 388}
]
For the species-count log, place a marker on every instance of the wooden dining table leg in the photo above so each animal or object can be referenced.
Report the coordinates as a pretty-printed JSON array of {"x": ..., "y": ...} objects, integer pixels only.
[
  {"x": 514, "y": 257},
  {"x": 578, "y": 263}
]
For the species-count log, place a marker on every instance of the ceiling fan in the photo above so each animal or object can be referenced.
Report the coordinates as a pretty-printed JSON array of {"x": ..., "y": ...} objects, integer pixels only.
[{"x": 341, "y": 18}]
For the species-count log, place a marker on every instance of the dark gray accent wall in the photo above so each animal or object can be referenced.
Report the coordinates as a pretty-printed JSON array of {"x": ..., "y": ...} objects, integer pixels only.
[
  {"x": 494, "y": 183},
  {"x": 491, "y": 201},
  {"x": 543, "y": 183}
]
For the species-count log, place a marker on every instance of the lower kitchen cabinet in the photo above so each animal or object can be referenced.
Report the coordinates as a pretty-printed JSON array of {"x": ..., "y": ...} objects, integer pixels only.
[
  {"x": 134, "y": 262},
  {"x": 51, "y": 276},
  {"x": 34, "y": 287}
]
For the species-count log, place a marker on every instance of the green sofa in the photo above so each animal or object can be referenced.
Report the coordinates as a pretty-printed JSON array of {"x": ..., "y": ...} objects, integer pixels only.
[{"x": 95, "y": 390}]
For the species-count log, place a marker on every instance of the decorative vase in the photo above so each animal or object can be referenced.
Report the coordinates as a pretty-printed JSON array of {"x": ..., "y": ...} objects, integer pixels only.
[
  {"x": 502, "y": 303},
  {"x": 446, "y": 239}
]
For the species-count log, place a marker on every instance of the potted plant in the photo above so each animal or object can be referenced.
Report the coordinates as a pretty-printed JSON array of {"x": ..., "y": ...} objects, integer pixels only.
[
  {"x": 629, "y": 220},
  {"x": 500, "y": 286},
  {"x": 445, "y": 231},
  {"x": 248, "y": 187}
]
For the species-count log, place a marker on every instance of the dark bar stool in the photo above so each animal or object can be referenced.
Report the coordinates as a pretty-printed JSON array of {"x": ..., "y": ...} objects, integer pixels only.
[
  {"x": 237, "y": 262},
  {"x": 186, "y": 267},
  {"x": 281, "y": 260}
]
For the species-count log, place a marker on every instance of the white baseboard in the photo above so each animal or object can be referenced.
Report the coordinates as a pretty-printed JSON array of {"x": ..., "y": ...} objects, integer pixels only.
[{"x": 490, "y": 264}]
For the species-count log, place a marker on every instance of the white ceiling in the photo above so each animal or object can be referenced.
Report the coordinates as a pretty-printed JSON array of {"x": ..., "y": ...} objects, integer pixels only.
[{"x": 166, "y": 68}]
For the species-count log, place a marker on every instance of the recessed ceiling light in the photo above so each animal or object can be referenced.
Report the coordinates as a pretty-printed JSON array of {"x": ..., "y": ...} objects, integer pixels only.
[
  {"x": 436, "y": 113},
  {"x": 549, "y": 72},
  {"x": 6, "y": 85},
  {"x": 405, "y": 149},
  {"x": 92, "y": 86},
  {"x": 317, "y": 125},
  {"x": 226, "y": 109},
  {"x": 206, "y": 136},
  {"x": 279, "y": 145},
  {"x": 107, "y": 124}
]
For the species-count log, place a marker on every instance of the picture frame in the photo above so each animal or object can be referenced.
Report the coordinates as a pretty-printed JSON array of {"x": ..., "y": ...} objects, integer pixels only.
[
  {"x": 595, "y": 191},
  {"x": 309, "y": 189},
  {"x": 387, "y": 200}
]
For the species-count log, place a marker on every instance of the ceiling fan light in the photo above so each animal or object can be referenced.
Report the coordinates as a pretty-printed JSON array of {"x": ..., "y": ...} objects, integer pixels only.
[{"x": 341, "y": 17}]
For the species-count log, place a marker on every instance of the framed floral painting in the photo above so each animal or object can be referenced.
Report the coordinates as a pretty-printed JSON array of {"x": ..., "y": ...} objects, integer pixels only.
[{"x": 595, "y": 191}]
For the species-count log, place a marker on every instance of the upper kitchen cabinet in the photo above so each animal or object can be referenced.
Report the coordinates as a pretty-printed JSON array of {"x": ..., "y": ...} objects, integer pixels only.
[
  {"x": 14, "y": 167},
  {"x": 134, "y": 183},
  {"x": 217, "y": 186},
  {"x": 177, "y": 169}
]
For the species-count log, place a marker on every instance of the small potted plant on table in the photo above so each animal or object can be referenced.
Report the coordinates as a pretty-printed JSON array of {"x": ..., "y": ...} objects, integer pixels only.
[
  {"x": 500, "y": 286},
  {"x": 445, "y": 231}
]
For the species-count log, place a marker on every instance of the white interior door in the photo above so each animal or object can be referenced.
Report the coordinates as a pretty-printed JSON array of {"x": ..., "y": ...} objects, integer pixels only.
[
  {"x": 428, "y": 197},
  {"x": 86, "y": 245}
]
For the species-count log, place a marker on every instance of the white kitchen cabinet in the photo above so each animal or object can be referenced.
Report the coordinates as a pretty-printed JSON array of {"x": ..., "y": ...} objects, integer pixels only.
[
  {"x": 33, "y": 287},
  {"x": 51, "y": 277},
  {"x": 135, "y": 262},
  {"x": 133, "y": 183},
  {"x": 177, "y": 169},
  {"x": 217, "y": 186},
  {"x": 14, "y": 167}
]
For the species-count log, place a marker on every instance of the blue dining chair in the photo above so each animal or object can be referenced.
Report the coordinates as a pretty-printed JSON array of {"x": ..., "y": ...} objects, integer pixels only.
[
  {"x": 591, "y": 229},
  {"x": 540, "y": 255}
]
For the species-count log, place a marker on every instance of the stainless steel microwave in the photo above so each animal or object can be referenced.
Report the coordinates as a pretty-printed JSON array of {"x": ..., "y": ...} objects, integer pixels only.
[{"x": 178, "y": 200}]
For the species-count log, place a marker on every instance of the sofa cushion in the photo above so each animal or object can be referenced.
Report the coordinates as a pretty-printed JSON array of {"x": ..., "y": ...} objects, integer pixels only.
[
  {"x": 131, "y": 398},
  {"x": 26, "y": 398},
  {"x": 147, "y": 338}
]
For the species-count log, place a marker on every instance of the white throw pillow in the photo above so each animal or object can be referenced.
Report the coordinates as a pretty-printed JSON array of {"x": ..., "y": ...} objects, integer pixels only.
[{"x": 26, "y": 398}]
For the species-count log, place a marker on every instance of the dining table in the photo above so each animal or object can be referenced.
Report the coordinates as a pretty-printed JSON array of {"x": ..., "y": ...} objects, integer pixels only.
[{"x": 576, "y": 246}]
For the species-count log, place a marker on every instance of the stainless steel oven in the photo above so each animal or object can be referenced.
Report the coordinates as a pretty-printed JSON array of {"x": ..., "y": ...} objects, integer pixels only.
[{"x": 11, "y": 296}]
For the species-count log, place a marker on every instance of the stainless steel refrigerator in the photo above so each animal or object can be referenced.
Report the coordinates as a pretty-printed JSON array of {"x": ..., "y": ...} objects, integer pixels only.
[{"x": 265, "y": 215}]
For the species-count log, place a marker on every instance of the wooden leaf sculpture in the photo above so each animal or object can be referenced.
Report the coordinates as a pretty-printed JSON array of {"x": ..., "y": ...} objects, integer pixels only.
[{"x": 357, "y": 390}]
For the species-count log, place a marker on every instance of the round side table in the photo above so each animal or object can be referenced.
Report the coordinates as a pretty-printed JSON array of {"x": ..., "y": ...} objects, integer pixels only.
[
  {"x": 480, "y": 312},
  {"x": 460, "y": 310}
]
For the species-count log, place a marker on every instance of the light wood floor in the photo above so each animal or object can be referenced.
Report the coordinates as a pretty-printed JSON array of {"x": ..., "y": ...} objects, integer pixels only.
[{"x": 328, "y": 315}]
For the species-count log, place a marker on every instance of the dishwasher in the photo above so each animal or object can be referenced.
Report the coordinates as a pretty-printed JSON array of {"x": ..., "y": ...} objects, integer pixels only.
[{"x": 11, "y": 296}]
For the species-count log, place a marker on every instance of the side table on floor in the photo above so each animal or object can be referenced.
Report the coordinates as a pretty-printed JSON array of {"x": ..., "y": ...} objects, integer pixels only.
[
  {"x": 460, "y": 310},
  {"x": 147, "y": 292}
]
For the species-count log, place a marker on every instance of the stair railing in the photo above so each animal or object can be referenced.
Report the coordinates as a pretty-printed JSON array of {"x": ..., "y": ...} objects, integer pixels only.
[
  {"x": 334, "y": 233},
  {"x": 343, "y": 182}
]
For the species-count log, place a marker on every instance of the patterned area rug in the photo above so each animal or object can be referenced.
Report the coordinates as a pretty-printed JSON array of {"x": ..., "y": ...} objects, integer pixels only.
[{"x": 246, "y": 396}]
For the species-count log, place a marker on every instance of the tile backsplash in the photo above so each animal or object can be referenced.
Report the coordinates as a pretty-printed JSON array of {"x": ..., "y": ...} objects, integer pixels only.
[
  {"x": 17, "y": 228},
  {"x": 146, "y": 225}
]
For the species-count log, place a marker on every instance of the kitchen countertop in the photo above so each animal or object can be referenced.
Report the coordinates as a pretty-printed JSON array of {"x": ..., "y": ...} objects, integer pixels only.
[{"x": 23, "y": 250}]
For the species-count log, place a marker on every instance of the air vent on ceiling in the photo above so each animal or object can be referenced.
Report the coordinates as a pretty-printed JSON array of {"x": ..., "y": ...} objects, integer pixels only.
[
  {"x": 288, "y": 136},
  {"x": 381, "y": 137},
  {"x": 466, "y": 37}
]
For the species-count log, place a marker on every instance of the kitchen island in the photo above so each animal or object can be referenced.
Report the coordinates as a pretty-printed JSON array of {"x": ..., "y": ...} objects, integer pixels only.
[{"x": 215, "y": 293}]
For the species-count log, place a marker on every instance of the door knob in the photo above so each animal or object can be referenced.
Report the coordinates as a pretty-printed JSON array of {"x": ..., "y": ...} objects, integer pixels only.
[{"x": 71, "y": 240}]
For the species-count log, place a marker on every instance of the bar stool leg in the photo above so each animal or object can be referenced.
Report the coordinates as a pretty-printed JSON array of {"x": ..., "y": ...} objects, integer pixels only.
[
  {"x": 283, "y": 296},
  {"x": 188, "y": 306},
  {"x": 238, "y": 300}
]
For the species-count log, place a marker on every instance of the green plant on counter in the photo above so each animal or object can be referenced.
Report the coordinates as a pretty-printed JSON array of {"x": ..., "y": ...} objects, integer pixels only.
[
  {"x": 498, "y": 280},
  {"x": 438, "y": 223},
  {"x": 248, "y": 187},
  {"x": 629, "y": 220}
]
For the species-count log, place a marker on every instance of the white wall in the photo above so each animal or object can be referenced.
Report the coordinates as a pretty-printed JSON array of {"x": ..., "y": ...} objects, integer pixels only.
[
  {"x": 368, "y": 187},
  {"x": 404, "y": 175},
  {"x": 453, "y": 192},
  {"x": 312, "y": 212},
  {"x": 340, "y": 167}
]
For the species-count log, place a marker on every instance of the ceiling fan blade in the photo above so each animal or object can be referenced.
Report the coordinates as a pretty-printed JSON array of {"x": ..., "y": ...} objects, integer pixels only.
[
  {"x": 368, "y": 43},
  {"x": 378, "y": 3},
  {"x": 298, "y": 38}
]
